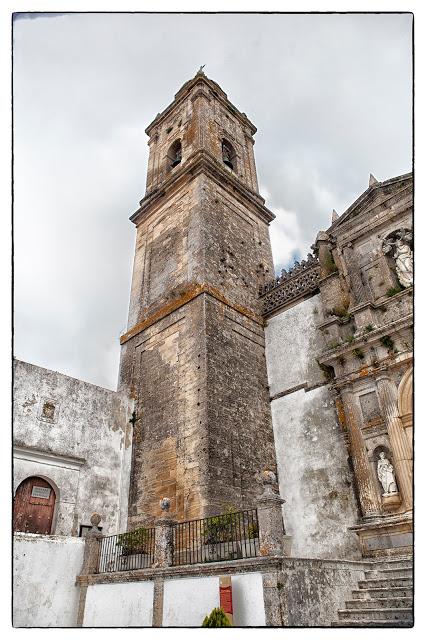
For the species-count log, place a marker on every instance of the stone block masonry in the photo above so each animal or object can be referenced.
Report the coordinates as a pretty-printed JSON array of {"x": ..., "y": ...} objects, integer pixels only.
[{"x": 193, "y": 356}]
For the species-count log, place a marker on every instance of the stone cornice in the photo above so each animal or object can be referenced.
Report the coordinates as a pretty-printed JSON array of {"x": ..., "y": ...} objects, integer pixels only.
[
  {"x": 365, "y": 339},
  {"x": 202, "y": 162},
  {"x": 191, "y": 292},
  {"x": 47, "y": 457},
  {"x": 365, "y": 197}
]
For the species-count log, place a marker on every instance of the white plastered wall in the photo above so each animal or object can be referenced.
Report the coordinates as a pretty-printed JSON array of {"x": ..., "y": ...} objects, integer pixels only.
[
  {"x": 44, "y": 590},
  {"x": 124, "y": 604}
]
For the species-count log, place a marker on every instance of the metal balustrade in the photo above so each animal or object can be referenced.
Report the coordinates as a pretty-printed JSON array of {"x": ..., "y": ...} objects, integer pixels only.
[
  {"x": 228, "y": 536},
  {"x": 127, "y": 551}
]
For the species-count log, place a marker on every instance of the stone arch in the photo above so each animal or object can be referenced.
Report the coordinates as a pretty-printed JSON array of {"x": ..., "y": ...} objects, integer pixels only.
[
  {"x": 405, "y": 394},
  {"x": 405, "y": 405},
  {"x": 174, "y": 154},
  {"x": 229, "y": 156},
  {"x": 35, "y": 505}
]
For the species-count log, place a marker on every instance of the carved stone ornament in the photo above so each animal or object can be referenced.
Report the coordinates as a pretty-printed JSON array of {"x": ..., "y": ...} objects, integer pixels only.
[
  {"x": 398, "y": 245},
  {"x": 165, "y": 504},
  {"x": 301, "y": 279},
  {"x": 386, "y": 475}
]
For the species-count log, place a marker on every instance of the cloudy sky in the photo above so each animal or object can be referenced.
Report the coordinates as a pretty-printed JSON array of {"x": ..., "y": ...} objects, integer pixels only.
[{"x": 329, "y": 94}]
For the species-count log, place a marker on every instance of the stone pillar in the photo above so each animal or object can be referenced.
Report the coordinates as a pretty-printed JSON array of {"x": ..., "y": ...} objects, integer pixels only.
[
  {"x": 357, "y": 288},
  {"x": 366, "y": 488},
  {"x": 388, "y": 397},
  {"x": 163, "y": 550},
  {"x": 273, "y": 583},
  {"x": 157, "y": 607},
  {"x": 270, "y": 518},
  {"x": 92, "y": 547}
]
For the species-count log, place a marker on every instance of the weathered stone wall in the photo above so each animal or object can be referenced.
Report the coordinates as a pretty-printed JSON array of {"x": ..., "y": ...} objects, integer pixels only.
[
  {"x": 240, "y": 435},
  {"x": 83, "y": 450},
  {"x": 44, "y": 573},
  {"x": 312, "y": 591},
  {"x": 312, "y": 458}
]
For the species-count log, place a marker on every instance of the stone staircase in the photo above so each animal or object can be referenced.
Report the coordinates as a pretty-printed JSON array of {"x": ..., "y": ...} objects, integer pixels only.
[{"x": 383, "y": 599}]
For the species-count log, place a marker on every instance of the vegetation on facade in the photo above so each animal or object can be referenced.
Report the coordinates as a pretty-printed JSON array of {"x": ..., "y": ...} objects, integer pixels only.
[
  {"x": 136, "y": 541},
  {"x": 393, "y": 291},
  {"x": 217, "y": 618},
  {"x": 329, "y": 266},
  {"x": 388, "y": 343}
]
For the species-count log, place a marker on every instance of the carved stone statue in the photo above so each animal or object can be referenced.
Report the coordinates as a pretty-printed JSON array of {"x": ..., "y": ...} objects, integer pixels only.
[
  {"x": 402, "y": 253},
  {"x": 386, "y": 475}
]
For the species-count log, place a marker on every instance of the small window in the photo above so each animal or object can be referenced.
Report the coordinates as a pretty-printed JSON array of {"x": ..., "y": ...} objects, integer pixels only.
[
  {"x": 228, "y": 155},
  {"x": 174, "y": 154}
]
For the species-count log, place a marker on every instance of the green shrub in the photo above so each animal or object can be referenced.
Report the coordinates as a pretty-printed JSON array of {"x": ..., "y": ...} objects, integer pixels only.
[
  {"x": 217, "y": 618},
  {"x": 388, "y": 343},
  {"x": 134, "y": 541},
  {"x": 358, "y": 353},
  {"x": 221, "y": 528},
  {"x": 329, "y": 265},
  {"x": 393, "y": 291}
]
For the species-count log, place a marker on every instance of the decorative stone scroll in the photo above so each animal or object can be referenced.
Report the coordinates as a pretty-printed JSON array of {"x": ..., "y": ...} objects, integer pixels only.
[{"x": 301, "y": 279}]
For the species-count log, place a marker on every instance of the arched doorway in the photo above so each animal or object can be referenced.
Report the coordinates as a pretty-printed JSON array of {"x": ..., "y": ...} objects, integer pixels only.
[{"x": 34, "y": 506}]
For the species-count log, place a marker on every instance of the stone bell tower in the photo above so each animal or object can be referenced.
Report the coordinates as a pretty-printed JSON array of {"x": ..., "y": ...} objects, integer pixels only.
[{"x": 193, "y": 355}]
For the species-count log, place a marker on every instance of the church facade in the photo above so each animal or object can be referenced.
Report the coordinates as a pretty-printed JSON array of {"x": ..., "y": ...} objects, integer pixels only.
[{"x": 230, "y": 376}]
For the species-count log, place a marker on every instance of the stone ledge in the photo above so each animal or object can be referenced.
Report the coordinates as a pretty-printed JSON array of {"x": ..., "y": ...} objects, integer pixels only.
[{"x": 247, "y": 565}]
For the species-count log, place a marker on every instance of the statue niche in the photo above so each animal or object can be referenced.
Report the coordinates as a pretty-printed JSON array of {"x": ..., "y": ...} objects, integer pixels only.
[
  {"x": 398, "y": 245},
  {"x": 386, "y": 475}
]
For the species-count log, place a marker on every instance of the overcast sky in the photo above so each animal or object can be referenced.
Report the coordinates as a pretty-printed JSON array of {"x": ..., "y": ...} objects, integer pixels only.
[{"x": 329, "y": 94}]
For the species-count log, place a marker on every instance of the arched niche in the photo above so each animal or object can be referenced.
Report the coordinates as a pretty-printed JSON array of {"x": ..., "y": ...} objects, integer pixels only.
[
  {"x": 229, "y": 157},
  {"x": 174, "y": 155}
]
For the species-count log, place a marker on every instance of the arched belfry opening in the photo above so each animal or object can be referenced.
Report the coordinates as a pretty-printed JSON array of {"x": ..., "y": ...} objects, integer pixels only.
[
  {"x": 229, "y": 156},
  {"x": 174, "y": 154},
  {"x": 34, "y": 506}
]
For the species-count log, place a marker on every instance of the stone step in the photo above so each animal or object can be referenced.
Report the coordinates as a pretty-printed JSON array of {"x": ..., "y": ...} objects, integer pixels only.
[
  {"x": 376, "y": 614},
  {"x": 405, "y": 563},
  {"x": 373, "y": 623},
  {"x": 379, "y": 583},
  {"x": 380, "y": 603},
  {"x": 389, "y": 573},
  {"x": 391, "y": 592}
]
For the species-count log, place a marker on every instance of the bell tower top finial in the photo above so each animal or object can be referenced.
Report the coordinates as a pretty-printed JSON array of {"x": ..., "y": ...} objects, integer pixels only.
[{"x": 200, "y": 70}]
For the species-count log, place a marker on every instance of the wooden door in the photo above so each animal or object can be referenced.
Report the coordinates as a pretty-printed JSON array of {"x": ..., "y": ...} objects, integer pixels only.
[{"x": 33, "y": 507}]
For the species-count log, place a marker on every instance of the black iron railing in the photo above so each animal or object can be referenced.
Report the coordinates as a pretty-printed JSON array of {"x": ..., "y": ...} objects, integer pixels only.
[
  {"x": 127, "y": 551},
  {"x": 225, "y": 537}
]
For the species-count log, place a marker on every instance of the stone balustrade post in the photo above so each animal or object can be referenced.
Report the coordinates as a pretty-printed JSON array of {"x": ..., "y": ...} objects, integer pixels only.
[
  {"x": 270, "y": 518},
  {"x": 92, "y": 547},
  {"x": 164, "y": 548}
]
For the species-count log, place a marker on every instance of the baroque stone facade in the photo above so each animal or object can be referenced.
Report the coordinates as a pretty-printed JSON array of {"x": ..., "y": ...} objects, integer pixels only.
[{"x": 359, "y": 332}]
